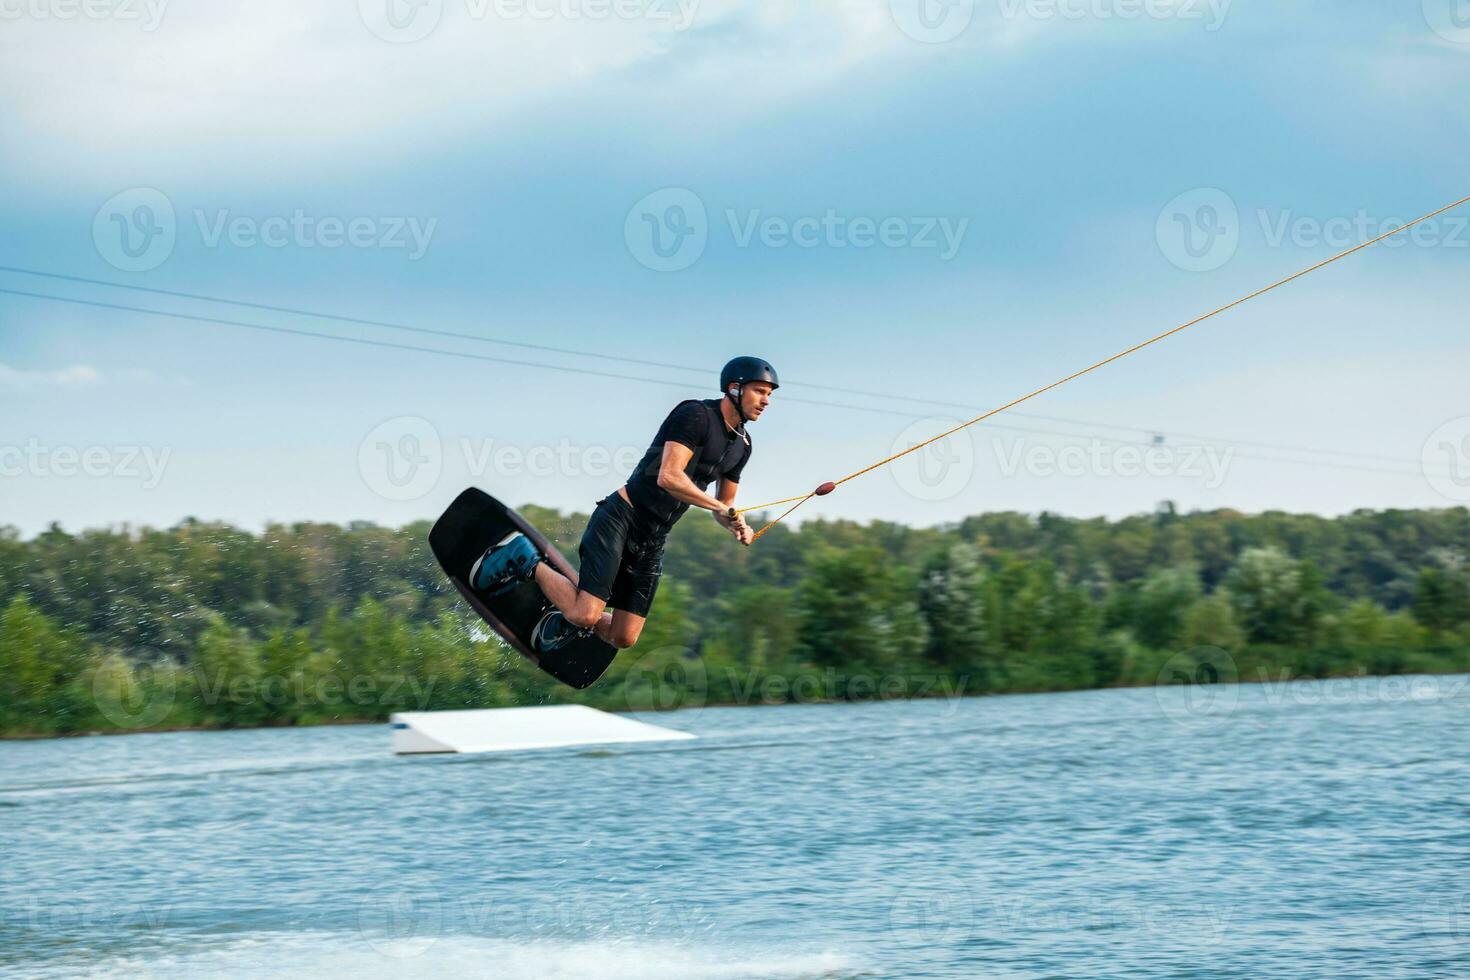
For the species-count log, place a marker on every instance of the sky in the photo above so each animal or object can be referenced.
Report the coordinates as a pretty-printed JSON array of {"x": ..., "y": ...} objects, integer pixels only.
[{"x": 294, "y": 260}]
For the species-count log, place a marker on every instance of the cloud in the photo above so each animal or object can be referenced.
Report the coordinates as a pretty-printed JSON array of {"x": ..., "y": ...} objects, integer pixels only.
[
  {"x": 288, "y": 87},
  {"x": 75, "y": 376}
]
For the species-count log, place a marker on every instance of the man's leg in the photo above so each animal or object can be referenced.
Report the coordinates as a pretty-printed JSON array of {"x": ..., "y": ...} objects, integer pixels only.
[
  {"x": 581, "y": 609},
  {"x": 633, "y": 595},
  {"x": 624, "y": 628}
]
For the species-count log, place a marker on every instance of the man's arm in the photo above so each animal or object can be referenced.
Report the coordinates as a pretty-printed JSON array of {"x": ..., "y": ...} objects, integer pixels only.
[{"x": 673, "y": 479}]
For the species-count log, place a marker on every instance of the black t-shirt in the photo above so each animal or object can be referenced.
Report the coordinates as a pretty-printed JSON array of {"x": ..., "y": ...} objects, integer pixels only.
[{"x": 718, "y": 453}]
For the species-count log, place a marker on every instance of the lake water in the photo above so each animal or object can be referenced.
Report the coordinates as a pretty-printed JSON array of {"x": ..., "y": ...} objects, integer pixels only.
[{"x": 1311, "y": 829}]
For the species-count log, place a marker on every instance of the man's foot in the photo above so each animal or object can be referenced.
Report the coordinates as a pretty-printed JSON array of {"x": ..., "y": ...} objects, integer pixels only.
[
  {"x": 552, "y": 632},
  {"x": 504, "y": 566}
]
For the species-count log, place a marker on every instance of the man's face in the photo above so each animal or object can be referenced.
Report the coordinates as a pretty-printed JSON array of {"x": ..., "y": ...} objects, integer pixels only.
[{"x": 757, "y": 396}]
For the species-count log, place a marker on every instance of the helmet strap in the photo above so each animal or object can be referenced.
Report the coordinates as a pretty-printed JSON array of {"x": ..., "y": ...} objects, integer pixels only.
[{"x": 736, "y": 394}]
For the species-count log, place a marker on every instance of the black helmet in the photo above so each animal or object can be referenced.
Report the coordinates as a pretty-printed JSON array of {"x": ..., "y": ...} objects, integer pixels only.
[{"x": 744, "y": 369}]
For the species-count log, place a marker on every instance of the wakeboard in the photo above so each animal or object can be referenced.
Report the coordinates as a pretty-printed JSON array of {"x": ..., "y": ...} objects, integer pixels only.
[{"x": 474, "y": 522}]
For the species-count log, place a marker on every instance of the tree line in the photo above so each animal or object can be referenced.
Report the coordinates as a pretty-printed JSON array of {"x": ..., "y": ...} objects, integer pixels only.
[{"x": 204, "y": 624}]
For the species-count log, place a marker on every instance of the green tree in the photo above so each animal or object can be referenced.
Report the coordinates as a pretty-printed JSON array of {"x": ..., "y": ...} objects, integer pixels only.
[
  {"x": 859, "y": 612},
  {"x": 40, "y": 664},
  {"x": 1210, "y": 622},
  {"x": 227, "y": 673},
  {"x": 1164, "y": 600},
  {"x": 1277, "y": 599},
  {"x": 1442, "y": 600}
]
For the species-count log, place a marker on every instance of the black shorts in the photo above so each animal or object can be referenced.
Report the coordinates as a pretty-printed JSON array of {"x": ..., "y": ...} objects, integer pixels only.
[{"x": 620, "y": 565}]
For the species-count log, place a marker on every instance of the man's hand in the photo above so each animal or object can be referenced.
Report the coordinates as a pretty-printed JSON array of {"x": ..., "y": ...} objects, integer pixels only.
[
  {"x": 743, "y": 532},
  {"x": 736, "y": 525}
]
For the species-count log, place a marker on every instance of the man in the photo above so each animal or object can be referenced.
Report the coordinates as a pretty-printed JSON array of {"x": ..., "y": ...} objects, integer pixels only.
[{"x": 622, "y": 548}]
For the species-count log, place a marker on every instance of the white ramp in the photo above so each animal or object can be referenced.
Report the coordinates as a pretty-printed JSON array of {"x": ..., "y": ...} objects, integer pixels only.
[{"x": 510, "y": 729}]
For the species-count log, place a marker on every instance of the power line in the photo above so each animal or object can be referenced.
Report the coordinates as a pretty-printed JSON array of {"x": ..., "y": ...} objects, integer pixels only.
[
  {"x": 547, "y": 348},
  {"x": 363, "y": 341}
]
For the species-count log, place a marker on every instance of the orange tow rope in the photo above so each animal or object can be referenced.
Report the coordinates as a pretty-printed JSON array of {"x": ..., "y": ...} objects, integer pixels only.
[{"x": 831, "y": 485}]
